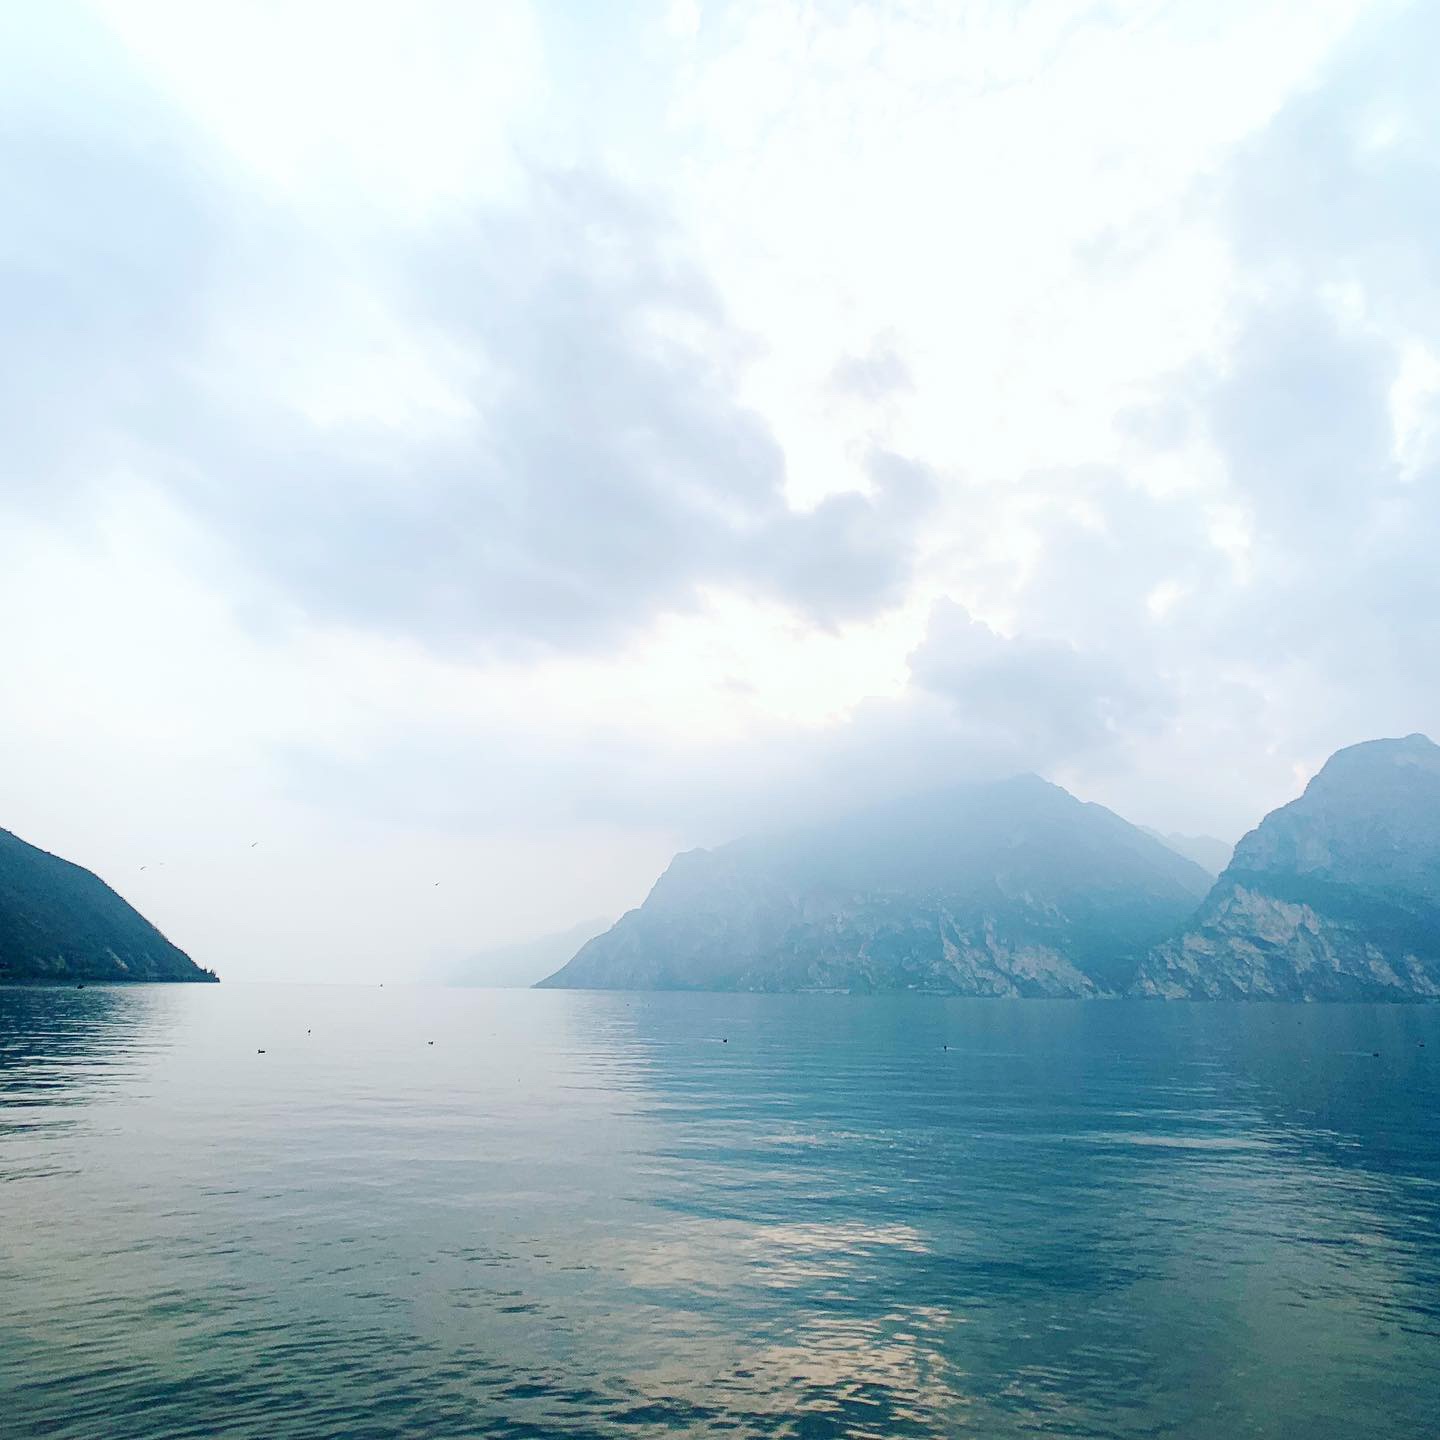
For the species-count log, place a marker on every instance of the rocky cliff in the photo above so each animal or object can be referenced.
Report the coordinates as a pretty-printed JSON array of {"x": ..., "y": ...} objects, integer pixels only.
[
  {"x": 1010, "y": 888},
  {"x": 1335, "y": 896}
]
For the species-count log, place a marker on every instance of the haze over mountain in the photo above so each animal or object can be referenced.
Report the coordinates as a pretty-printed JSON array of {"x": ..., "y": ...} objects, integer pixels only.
[
  {"x": 1012, "y": 887},
  {"x": 523, "y": 962},
  {"x": 60, "y": 922},
  {"x": 1210, "y": 854},
  {"x": 1335, "y": 896}
]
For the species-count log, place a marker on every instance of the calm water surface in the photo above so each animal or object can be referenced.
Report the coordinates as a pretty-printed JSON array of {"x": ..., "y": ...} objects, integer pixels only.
[{"x": 610, "y": 1215}]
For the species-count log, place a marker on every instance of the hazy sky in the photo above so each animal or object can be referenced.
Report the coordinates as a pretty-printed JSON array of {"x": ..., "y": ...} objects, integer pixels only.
[{"x": 501, "y": 445}]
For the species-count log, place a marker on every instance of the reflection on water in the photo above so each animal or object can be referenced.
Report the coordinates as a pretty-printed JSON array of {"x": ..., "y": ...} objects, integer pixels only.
[
  {"x": 598, "y": 1215},
  {"x": 63, "y": 1047}
]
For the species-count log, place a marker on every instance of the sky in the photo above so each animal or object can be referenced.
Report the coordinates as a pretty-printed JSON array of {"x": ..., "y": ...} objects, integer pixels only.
[{"x": 458, "y": 455}]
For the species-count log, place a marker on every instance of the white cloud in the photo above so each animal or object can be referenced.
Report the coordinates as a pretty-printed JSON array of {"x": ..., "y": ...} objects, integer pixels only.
[
  {"x": 354, "y": 110},
  {"x": 510, "y": 442}
]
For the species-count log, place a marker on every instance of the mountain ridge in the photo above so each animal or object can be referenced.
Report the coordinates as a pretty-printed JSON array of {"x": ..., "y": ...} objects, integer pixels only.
[
  {"x": 518, "y": 964},
  {"x": 61, "y": 923},
  {"x": 1333, "y": 896},
  {"x": 1002, "y": 887},
  {"x": 1210, "y": 854}
]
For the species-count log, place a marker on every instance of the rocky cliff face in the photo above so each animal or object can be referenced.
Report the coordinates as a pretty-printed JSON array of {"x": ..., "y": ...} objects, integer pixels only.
[
  {"x": 1334, "y": 896},
  {"x": 59, "y": 922},
  {"x": 1013, "y": 888}
]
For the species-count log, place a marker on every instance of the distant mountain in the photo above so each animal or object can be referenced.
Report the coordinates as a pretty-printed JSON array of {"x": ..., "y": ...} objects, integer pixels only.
[
  {"x": 1210, "y": 854},
  {"x": 526, "y": 961},
  {"x": 59, "y": 922},
  {"x": 1007, "y": 888},
  {"x": 1335, "y": 896}
]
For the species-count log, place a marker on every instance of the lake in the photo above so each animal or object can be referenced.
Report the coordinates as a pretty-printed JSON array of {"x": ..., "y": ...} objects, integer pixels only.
[{"x": 650, "y": 1215}]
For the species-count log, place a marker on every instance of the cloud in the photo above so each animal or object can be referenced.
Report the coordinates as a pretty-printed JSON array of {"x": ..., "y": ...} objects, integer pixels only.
[
  {"x": 673, "y": 467},
  {"x": 1336, "y": 225},
  {"x": 1046, "y": 701},
  {"x": 518, "y": 427},
  {"x": 980, "y": 705},
  {"x": 110, "y": 239},
  {"x": 1302, "y": 420},
  {"x": 1339, "y": 190},
  {"x": 1268, "y": 536},
  {"x": 874, "y": 376}
]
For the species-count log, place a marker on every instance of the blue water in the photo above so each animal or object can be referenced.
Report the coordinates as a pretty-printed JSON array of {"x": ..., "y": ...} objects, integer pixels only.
[{"x": 610, "y": 1215}]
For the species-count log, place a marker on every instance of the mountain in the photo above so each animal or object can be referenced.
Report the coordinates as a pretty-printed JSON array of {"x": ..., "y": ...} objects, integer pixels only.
[
  {"x": 1007, "y": 888},
  {"x": 526, "y": 961},
  {"x": 60, "y": 922},
  {"x": 1335, "y": 896},
  {"x": 1210, "y": 854}
]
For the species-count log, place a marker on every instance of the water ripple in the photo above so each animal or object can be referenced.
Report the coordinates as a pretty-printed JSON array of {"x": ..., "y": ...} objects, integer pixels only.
[{"x": 581, "y": 1215}]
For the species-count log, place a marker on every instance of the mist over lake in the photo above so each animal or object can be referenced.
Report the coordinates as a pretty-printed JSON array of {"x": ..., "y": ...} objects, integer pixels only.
[{"x": 677, "y": 1214}]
